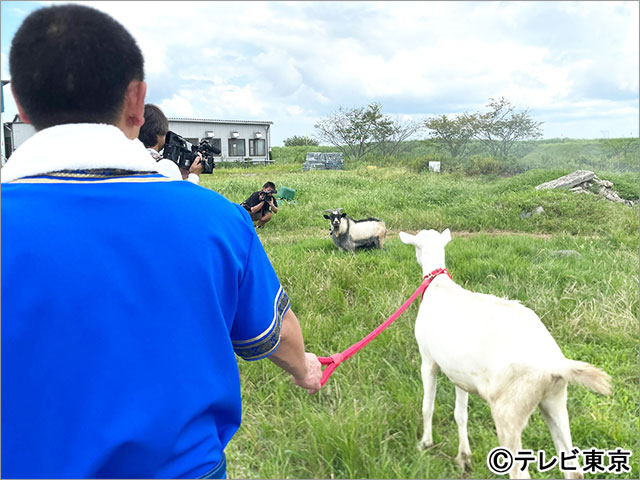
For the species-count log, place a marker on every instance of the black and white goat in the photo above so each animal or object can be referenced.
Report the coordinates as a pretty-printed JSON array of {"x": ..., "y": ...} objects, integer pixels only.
[{"x": 349, "y": 234}]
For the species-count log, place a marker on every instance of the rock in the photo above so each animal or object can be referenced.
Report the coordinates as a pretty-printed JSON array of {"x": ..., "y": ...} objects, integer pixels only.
[
  {"x": 614, "y": 197},
  {"x": 584, "y": 181},
  {"x": 537, "y": 211},
  {"x": 568, "y": 181}
]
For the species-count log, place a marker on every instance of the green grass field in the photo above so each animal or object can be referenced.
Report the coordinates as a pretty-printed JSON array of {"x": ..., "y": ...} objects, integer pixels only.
[{"x": 367, "y": 420}]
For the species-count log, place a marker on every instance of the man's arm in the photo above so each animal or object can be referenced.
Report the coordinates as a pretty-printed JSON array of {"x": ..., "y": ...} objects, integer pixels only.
[
  {"x": 257, "y": 207},
  {"x": 274, "y": 209},
  {"x": 304, "y": 367}
]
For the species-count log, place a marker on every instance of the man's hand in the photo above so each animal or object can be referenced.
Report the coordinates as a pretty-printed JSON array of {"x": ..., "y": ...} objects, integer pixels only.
[
  {"x": 304, "y": 367},
  {"x": 310, "y": 381},
  {"x": 196, "y": 166}
]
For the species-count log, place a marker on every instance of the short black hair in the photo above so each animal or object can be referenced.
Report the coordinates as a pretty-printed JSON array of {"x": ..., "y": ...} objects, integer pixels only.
[
  {"x": 73, "y": 64},
  {"x": 155, "y": 123},
  {"x": 269, "y": 185}
]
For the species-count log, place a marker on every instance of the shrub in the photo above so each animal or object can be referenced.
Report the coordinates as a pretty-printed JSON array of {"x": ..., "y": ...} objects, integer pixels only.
[
  {"x": 482, "y": 166},
  {"x": 297, "y": 141}
]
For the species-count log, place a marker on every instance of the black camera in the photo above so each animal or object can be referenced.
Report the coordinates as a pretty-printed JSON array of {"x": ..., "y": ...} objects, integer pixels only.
[
  {"x": 207, "y": 151},
  {"x": 267, "y": 197},
  {"x": 183, "y": 154}
]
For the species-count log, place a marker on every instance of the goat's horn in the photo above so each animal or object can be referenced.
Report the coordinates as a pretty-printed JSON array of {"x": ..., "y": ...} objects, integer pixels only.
[
  {"x": 329, "y": 211},
  {"x": 338, "y": 210}
]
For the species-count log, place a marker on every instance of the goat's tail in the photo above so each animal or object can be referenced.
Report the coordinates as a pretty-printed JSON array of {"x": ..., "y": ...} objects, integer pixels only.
[{"x": 589, "y": 376}]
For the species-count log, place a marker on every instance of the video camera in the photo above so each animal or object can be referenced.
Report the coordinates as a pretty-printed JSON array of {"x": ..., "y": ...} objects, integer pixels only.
[
  {"x": 178, "y": 151},
  {"x": 267, "y": 196}
]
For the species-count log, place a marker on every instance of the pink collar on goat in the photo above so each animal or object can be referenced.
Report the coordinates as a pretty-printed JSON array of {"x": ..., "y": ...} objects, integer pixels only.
[{"x": 431, "y": 276}]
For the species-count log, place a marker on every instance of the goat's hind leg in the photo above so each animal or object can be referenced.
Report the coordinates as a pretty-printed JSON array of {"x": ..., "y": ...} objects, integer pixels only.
[
  {"x": 511, "y": 414},
  {"x": 554, "y": 411},
  {"x": 429, "y": 371},
  {"x": 460, "y": 413}
]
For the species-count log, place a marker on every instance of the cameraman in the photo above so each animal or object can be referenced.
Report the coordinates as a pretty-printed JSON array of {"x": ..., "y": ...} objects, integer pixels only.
[
  {"x": 261, "y": 204},
  {"x": 152, "y": 135}
]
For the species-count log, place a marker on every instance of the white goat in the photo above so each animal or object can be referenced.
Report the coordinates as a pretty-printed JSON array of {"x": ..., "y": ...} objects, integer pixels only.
[{"x": 497, "y": 349}]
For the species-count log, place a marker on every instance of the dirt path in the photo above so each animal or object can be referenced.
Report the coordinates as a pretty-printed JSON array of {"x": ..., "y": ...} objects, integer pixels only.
[
  {"x": 324, "y": 233},
  {"x": 491, "y": 233}
]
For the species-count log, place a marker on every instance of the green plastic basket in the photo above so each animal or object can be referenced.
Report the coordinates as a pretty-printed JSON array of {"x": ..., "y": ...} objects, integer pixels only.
[{"x": 286, "y": 193}]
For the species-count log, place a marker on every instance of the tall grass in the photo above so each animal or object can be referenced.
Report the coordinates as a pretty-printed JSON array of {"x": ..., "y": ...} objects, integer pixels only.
[{"x": 366, "y": 422}]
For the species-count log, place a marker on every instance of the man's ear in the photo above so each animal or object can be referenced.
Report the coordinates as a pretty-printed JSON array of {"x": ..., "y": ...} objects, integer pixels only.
[
  {"x": 132, "y": 117},
  {"x": 23, "y": 115}
]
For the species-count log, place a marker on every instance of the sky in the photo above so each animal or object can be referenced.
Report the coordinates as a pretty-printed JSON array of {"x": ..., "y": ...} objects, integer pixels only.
[{"x": 573, "y": 65}]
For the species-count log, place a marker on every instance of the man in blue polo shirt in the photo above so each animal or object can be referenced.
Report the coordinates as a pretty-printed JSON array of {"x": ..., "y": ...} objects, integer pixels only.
[{"x": 122, "y": 309}]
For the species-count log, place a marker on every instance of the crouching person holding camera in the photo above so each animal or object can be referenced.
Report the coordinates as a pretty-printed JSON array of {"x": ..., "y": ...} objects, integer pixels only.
[
  {"x": 261, "y": 205},
  {"x": 153, "y": 135}
]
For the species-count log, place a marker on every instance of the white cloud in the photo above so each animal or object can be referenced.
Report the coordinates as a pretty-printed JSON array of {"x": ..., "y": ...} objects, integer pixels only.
[
  {"x": 177, "y": 106},
  {"x": 295, "y": 62}
]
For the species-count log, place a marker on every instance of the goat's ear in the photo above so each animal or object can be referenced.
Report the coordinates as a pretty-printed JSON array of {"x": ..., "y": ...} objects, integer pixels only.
[
  {"x": 327, "y": 217},
  {"x": 408, "y": 239},
  {"x": 343, "y": 215},
  {"x": 446, "y": 237}
]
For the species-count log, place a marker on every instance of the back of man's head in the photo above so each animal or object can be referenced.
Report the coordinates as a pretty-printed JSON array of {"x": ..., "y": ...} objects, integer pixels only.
[{"x": 73, "y": 64}]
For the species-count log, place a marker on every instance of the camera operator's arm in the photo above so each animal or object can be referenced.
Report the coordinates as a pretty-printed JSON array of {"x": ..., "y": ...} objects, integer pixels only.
[
  {"x": 272, "y": 204},
  {"x": 258, "y": 207},
  {"x": 303, "y": 366}
]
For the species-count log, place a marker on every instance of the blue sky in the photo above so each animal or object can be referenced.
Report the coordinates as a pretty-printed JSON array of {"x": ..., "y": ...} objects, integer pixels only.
[{"x": 574, "y": 65}]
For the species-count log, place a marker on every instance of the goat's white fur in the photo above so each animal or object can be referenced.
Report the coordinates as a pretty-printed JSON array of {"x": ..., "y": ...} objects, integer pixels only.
[
  {"x": 363, "y": 231},
  {"x": 497, "y": 349}
]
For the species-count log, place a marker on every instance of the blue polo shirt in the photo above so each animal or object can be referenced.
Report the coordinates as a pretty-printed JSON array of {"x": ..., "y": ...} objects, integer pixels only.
[{"x": 124, "y": 298}]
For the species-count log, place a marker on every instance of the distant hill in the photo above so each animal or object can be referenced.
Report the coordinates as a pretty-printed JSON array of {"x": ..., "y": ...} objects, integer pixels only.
[{"x": 612, "y": 155}]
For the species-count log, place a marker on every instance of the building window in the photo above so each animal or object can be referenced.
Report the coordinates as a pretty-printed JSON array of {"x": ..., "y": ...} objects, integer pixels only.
[
  {"x": 193, "y": 141},
  {"x": 216, "y": 143},
  {"x": 236, "y": 147},
  {"x": 256, "y": 147}
]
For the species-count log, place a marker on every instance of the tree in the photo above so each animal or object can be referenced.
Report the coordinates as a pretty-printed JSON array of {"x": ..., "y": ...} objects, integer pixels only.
[
  {"x": 500, "y": 128},
  {"x": 452, "y": 134},
  {"x": 350, "y": 130},
  {"x": 357, "y": 131},
  {"x": 297, "y": 141},
  {"x": 390, "y": 135}
]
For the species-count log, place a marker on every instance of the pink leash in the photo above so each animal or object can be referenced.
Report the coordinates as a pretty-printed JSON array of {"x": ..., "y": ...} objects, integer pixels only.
[{"x": 336, "y": 359}]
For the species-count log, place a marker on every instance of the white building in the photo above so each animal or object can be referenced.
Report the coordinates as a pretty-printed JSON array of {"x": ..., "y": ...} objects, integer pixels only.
[
  {"x": 238, "y": 140},
  {"x": 14, "y": 134}
]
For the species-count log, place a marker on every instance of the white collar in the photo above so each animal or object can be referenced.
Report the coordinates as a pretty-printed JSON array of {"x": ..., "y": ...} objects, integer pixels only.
[{"x": 77, "y": 146}]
